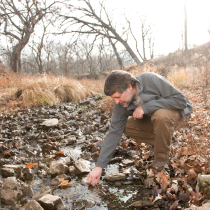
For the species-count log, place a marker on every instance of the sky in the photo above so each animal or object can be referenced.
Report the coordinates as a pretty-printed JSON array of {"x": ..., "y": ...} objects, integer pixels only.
[{"x": 168, "y": 16}]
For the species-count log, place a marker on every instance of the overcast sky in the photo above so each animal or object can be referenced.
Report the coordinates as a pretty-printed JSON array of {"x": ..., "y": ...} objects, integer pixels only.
[{"x": 168, "y": 16}]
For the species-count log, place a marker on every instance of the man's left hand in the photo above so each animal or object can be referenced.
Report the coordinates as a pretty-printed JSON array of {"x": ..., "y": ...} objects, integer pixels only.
[{"x": 138, "y": 113}]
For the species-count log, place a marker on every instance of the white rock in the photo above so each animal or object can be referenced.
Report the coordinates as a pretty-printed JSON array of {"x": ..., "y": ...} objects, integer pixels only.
[{"x": 50, "y": 123}]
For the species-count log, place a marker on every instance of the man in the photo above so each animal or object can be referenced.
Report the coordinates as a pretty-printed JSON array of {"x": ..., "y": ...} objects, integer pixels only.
[{"x": 154, "y": 107}]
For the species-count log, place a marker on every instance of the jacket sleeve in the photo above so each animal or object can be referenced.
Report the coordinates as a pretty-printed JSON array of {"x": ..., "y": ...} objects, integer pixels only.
[
  {"x": 165, "y": 95},
  {"x": 112, "y": 138}
]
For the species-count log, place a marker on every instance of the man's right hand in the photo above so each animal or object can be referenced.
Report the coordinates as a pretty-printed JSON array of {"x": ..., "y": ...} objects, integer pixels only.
[{"x": 94, "y": 175}]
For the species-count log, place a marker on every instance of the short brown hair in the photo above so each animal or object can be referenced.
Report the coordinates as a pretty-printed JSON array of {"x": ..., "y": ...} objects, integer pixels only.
[{"x": 118, "y": 81}]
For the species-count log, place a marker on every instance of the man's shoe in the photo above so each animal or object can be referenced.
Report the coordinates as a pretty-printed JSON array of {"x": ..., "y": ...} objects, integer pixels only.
[{"x": 160, "y": 165}]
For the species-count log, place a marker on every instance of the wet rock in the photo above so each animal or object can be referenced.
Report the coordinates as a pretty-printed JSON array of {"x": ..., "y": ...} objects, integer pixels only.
[
  {"x": 49, "y": 201},
  {"x": 50, "y": 123},
  {"x": 28, "y": 173},
  {"x": 83, "y": 166},
  {"x": 32, "y": 205},
  {"x": 57, "y": 168},
  {"x": 115, "y": 177},
  {"x": 116, "y": 159},
  {"x": 128, "y": 162},
  {"x": 103, "y": 129},
  {"x": 84, "y": 203},
  {"x": 57, "y": 180},
  {"x": 7, "y": 172},
  {"x": 86, "y": 155},
  {"x": 72, "y": 170},
  {"x": 30, "y": 154},
  {"x": 142, "y": 204},
  {"x": 88, "y": 130},
  {"x": 127, "y": 182},
  {"x": 203, "y": 184},
  {"x": 41, "y": 192},
  {"x": 14, "y": 167},
  {"x": 10, "y": 191}
]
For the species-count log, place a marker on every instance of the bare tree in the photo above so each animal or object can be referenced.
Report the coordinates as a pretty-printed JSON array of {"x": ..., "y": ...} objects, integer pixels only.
[
  {"x": 185, "y": 25},
  {"x": 37, "y": 48},
  {"x": 19, "y": 19},
  {"x": 92, "y": 23},
  {"x": 146, "y": 34}
]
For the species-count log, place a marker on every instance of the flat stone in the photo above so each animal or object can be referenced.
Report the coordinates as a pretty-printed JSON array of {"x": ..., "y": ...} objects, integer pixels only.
[
  {"x": 49, "y": 201},
  {"x": 57, "y": 168},
  {"x": 43, "y": 191},
  {"x": 50, "y": 123},
  {"x": 127, "y": 162},
  {"x": 83, "y": 166},
  {"x": 7, "y": 172},
  {"x": 115, "y": 177},
  {"x": 32, "y": 205}
]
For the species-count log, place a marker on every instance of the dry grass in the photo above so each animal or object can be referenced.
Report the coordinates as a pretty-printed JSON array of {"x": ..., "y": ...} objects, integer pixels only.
[{"x": 31, "y": 90}]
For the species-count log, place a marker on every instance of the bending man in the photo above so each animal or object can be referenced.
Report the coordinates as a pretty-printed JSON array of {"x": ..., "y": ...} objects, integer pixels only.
[{"x": 147, "y": 108}]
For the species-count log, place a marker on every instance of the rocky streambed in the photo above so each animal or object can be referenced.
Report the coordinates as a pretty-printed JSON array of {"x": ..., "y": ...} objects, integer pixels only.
[{"x": 47, "y": 153}]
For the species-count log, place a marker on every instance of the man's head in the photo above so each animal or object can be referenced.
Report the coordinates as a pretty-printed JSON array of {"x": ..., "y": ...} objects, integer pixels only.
[{"x": 121, "y": 86}]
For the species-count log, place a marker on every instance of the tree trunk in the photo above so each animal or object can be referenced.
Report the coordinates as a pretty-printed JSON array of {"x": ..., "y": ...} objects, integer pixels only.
[
  {"x": 15, "y": 61},
  {"x": 117, "y": 55}
]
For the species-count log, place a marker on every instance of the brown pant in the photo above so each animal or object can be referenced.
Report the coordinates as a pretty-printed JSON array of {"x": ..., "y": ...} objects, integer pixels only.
[{"x": 156, "y": 130}]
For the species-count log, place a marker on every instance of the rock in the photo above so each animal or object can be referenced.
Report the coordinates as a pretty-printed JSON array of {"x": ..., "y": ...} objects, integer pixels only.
[
  {"x": 83, "y": 166},
  {"x": 15, "y": 167},
  {"x": 86, "y": 155},
  {"x": 128, "y": 162},
  {"x": 7, "y": 172},
  {"x": 42, "y": 192},
  {"x": 49, "y": 201},
  {"x": 205, "y": 206},
  {"x": 28, "y": 174},
  {"x": 115, "y": 177},
  {"x": 72, "y": 170},
  {"x": 203, "y": 184},
  {"x": 56, "y": 181},
  {"x": 32, "y": 205},
  {"x": 57, "y": 168},
  {"x": 142, "y": 204},
  {"x": 10, "y": 191},
  {"x": 50, "y": 123},
  {"x": 84, "y": 203}
]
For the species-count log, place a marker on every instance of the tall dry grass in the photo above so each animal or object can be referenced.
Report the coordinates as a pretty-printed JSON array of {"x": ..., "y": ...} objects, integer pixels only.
[{"x": 33, "y": 90}]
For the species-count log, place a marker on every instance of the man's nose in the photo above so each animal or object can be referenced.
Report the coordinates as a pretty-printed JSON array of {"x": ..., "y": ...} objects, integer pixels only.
[{"x": 117, "y": 101}]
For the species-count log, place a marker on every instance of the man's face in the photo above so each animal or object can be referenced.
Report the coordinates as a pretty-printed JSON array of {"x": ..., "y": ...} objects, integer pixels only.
[{"x": 124, "y": 98}]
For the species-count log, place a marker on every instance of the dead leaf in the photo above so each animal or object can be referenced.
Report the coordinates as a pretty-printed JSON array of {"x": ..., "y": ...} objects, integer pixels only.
[
  {"x": 162, "y": 179},
  {"x": 158, "y": 197},
  {"x": 149, "y": 182},
  {"x": 31, "y": 165},
  {"x": 174, "y": 205}
]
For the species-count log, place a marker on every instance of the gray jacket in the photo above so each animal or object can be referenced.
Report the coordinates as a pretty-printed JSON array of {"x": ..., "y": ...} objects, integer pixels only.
[{"x": 157, "y": 93}]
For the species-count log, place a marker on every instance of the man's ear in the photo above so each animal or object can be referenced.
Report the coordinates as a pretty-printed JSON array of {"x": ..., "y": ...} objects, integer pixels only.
[{"x": 130, "y": 87}]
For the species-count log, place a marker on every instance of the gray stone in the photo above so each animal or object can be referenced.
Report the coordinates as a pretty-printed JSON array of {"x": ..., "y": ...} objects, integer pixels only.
[
  {"x": 57, "y": 168},
  {"x": 49, "y": 201},
  {"x": 127, "y": 162},
  {"x": 42, "y": 192},
  {"x": 50, "y": 123},
  {"x": 28, "y": 173},
  {"x": 142, "y": 204},
  {"x": 83, "y": 166},
  {"x": 72, "y": 170},
  {"x": 203, "y": 184},
  {"x": 7, "y": 172},
  {"x": 10, "y": 191},
  {"x": 32, "y": 205},
  {"x": 115, "y": 177}
]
